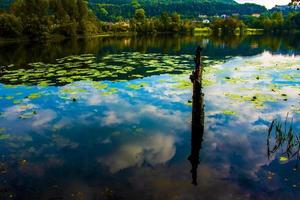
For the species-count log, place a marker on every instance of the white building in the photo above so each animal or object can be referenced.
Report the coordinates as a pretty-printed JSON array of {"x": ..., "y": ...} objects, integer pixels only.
[{"x": 205, "y": 21}]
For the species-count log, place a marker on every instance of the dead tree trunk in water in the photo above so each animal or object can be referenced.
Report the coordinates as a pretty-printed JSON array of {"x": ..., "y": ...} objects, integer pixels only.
[{"x": 197, "y": 116}]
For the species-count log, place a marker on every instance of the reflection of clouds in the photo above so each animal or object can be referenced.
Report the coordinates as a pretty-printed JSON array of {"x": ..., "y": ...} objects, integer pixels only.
[
  {"x": 133, "y": 114},
  {"x": 110, "y": 118},
  {"x": 63, "y": 123},
  {"x": 154, "y": 149},
  {"x": 174, "y": 182},
  {"x": 43, "y": 117},
  {"x": 95, "y": 98},
  {"x": 236, "y": 145},
  {"x": 14, "y": 111},
  {"x": 176, "y": 119}
]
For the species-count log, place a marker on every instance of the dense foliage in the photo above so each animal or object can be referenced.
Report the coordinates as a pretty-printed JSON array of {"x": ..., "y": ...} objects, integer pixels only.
[
  {"x": 111, "y": 10},
  {"x": 37, "y": 19},
  {"x": 166, "y": 23},
  {"x": 40, "y": 19},
  {"x": 228, "y": 26},
  {"x": 275, "y": 22}
]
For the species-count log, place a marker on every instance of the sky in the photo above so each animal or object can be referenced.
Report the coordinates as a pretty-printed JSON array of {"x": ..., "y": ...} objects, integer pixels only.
[{"x": 267, "y": 3}]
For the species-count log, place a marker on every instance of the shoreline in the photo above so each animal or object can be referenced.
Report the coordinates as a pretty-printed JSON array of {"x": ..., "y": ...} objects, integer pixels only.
[{"x": 205, "y": 32}]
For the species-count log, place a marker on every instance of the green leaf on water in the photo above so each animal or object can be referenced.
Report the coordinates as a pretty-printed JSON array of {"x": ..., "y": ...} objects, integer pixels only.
[
  {"x": 34, "y": 96},
  {"x": 9, "y": 97},
  {"x": 287, "y": 77},
  {"x": 17, "y": 101},
  {"x": 4, "y": 136},
  {"x": 2, "y": 130},
  {"x": 283, "y": 159},
  {"x": 137, "y": 86},
  {"x": 110, "y": 91},
  {"x": 229, "y": 112},
  {"x": 183, "y": 84},
  {"x": 43, "y": 84}
]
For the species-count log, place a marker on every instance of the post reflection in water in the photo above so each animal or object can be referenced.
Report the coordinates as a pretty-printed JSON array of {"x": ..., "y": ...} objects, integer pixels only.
[{"x": 197, "y": 116}]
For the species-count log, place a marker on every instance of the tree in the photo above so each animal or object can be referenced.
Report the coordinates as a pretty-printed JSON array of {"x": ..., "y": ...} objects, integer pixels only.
[
  {"x": 165, "y": 20},
  {"x": 175, "y": 17},
  {"x": 277, "y": 20},
  {"x": 41, "y": 18},
  {"x": 295, "y": 19},
  {"x": 140, "y": 14},
  {"x": 135, "y": 4},
  {"x": 228, "y": 26},
  {"x": 10, "y": 25},
  {"x": 103, "y": 12}
]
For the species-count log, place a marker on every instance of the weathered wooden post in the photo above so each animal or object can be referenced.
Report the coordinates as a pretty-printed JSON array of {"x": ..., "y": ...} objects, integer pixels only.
[{"x": 197, "y": 116}]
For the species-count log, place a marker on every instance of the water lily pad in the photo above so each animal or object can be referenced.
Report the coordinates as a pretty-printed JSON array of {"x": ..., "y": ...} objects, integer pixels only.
[
  {"x": 229, "y": 112},
  {"x": 34, "y": 96},
  {"x": 183, "y": 84},
  {"x": 110, "y": 91},
  {"x": 283, "y": 159},
  {"x": 17, "y": 101},
  {"x": 4, "y": 136},
  {"x": 137, "y": 86},
  {"x": 9, "y": 97},
  {"x": 288, "y": 77},
  {"x": 257, "y": 99}
]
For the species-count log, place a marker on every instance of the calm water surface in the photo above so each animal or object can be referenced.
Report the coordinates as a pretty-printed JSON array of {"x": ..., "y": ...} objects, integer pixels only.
[{"x": 110, "y": 118}]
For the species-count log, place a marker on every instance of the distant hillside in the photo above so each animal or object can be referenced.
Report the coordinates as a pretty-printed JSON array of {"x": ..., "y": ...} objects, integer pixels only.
[
  {"x": 164, "y": 1},
  {"x": 110, "y": 9}
]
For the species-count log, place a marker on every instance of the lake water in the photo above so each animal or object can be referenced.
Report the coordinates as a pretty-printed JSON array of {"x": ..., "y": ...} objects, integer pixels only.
[{"x": 110, "y": 118}]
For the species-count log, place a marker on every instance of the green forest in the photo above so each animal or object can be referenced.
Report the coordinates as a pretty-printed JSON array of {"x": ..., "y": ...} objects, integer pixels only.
[
  {"x": 44, "y": 19},
  {"x": 38, "y": 19},
  {"x": 113, "y": 10}
]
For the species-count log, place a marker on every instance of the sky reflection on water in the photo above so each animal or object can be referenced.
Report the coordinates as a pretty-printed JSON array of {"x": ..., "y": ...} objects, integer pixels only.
[{"x": 129, "y": 139}]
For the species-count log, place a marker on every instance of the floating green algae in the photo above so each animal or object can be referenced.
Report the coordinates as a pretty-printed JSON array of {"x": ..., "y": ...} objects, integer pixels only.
[
  {"x": 136, "y": 76},
  {"x": 258, "y": 100},
  {"x": 234, "y": 80},
  {"x": 99, "y": 85},
  {"x": 87, "y": 67},
  {"x": 229, "y": 112},
  {"x": 109, "y": 91},
  {"x": 283, "y": 159},
  {"x": 296, "y": 111},
  {"x": 288, "y": 77},
  {"x": 9, "y": 97},
  {"x": 137, "y": 86},
  {"x": 3, "y": 136},
  {"x": 183, "y": 84},
  {"x": 34, "y": 96},
  {"x": 17, "y": 101},
  {"x": 207, "y": 82}
]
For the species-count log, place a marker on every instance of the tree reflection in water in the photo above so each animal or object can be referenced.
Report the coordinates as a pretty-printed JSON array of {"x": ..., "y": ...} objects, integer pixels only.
[{"x": 197, "y": 116}]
